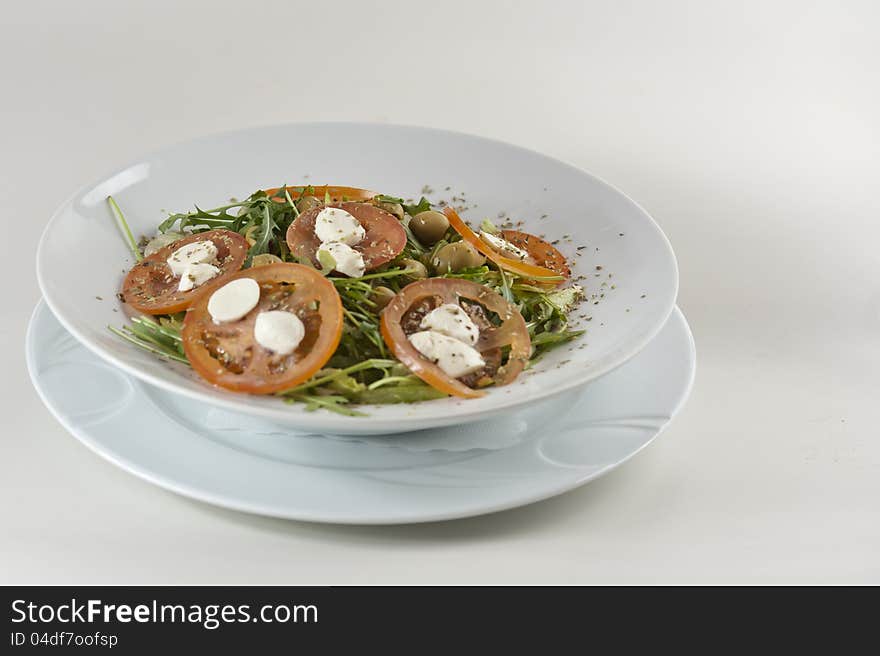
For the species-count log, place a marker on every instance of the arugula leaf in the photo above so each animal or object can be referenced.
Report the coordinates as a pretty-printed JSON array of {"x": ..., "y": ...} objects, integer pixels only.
[
  {"x": 267, "y": 229},
  {"x": 543, "y": 339},
  {"x": 333, "y": 403},
  {"x": 209, "y": 219},
  {"x": 422, "y": 206},
  {"x": 406, "y": 393},
  {"x": 129, "y": 238},
  {"x": 385, "y": 198},
  {"x": 566, "y": 299}
]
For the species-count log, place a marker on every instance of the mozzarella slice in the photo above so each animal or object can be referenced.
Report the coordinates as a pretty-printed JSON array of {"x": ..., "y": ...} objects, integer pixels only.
[
  {"x": 279, "y": 331},
  {"x": 198, "y": 252},
  {"x": 455, "y": 358},
  {"x": 336, "y": 225},
  {"x": 451, "y": 320},
  {"x": 195, "y": 275},
  {"x": 504, "y": 247},
  {"x": 234, "y": 300},
  {"x": 348, "y": 261}
]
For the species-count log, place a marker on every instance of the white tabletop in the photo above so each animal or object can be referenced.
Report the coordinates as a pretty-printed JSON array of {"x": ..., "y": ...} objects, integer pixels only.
[{"x": 751, "y": 133}]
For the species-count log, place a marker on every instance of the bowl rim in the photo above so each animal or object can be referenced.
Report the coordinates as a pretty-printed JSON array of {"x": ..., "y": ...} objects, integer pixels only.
[{"x": 282, "y": 414}]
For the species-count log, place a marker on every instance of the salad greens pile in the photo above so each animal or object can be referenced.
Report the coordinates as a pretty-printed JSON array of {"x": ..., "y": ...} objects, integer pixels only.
[{"x": 361, "y": 371}]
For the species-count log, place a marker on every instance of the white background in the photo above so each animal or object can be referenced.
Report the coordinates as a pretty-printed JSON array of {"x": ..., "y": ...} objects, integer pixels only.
[{"x": 751, "y": 131}]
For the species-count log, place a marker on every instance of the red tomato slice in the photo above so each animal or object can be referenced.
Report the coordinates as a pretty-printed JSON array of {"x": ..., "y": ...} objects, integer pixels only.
[
  {"x": 151, "y": 287},
  {"x": 523, "y": 269},
  {"x": 398, "y": 320},
  {"x": 337, "y": 193},
  {"x": 227, "y": 355},
  {"x": 543, "y": 253},
  {"x": 384, "y": 240}
]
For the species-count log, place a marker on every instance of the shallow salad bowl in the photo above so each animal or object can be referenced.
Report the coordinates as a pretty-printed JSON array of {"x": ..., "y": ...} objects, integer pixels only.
[{"x": 619, "y": 253}]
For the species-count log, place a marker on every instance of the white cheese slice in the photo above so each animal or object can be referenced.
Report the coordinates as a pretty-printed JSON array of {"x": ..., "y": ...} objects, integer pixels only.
[
  {"x": 195, "y": 275},
  {"x": 279, "y": 331},
  {"x": 451, "y": 320},
  {"x": 234, "y": 300},
  {"x": 336, "y": 225},
  {"x": 348, "y": 261},
  {"x": 455, "y": 358},
  {"x": 504, "y": 247},
  {"x": 198, "y": 252}
]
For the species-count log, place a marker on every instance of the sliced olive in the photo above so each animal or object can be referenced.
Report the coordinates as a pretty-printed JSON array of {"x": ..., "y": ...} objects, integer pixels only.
[
  {"x": 251, "y": 234},
  {"x": 455, "y": 257},
  {"x": 306, "y": 203},
  {"x": 415, "y": 269},
  {"x": 160, "y": 241},
  {"x": 381, "y": 296},
  {"x": 429, "y": 227},
  {"x": 265, "y": 258},
  {"x": 392, "y": 208}
]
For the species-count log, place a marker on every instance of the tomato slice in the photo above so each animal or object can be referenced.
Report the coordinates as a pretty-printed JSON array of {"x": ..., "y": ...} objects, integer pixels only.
[
  {"x": 337, "y": 193},
  {"x": 383, "y": 241},
  {"x": 151, "y": 287},
  {"x": 543, "y": 253},
  {"x": 523, "y": 269},
  {"x": 227, "y": 355},
  {"x": 401, "y": 315}
]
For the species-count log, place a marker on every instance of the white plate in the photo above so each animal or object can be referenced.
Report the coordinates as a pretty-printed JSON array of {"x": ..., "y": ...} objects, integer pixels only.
[
  {"x": 229, "y": 460},
  {"x": 82, "y": 258}
]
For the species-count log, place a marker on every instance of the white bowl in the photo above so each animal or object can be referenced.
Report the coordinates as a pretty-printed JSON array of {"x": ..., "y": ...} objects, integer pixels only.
[{"x": 627, "y": 261}]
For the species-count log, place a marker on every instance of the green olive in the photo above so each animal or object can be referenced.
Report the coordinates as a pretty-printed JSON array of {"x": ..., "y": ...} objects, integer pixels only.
[
  {"x": 306, "y": 203},
  {"x": 381, "y": 296},
  {"x": 429, "y": 227},
  {"x": 265, "y": 258},
  {"x": 457, "y": 256},
  {"x": 392, "y": 208},
  {"x": 415, "y": 269}
]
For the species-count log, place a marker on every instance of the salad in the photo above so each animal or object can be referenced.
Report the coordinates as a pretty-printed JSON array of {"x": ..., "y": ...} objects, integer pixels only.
[{"x": 337, "y": 297}]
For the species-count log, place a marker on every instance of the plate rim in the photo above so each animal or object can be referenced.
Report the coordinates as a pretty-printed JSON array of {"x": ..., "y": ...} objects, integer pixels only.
[
  {"x": 169, "y": 484},
  {"x": 461, "y": 414}
]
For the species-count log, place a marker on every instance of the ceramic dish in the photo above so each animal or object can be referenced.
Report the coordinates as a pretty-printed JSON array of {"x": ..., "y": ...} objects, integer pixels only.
[
  {"x": 232, "y": 460},
  {"x": 627, "y": 265}
]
